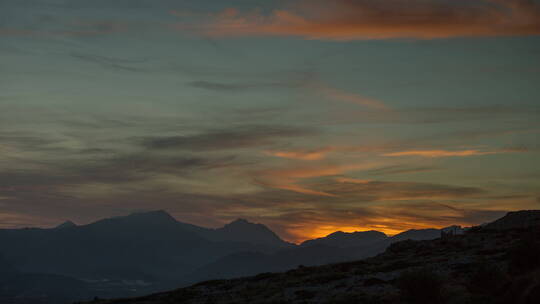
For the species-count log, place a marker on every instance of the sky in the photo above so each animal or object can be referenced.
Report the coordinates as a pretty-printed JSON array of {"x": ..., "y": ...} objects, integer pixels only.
[{"x": 308, "y": 116}]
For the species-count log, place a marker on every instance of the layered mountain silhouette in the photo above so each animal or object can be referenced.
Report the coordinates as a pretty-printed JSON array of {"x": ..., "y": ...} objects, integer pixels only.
[
  {"x": 152, "y": 251},
  {"x": 27, "y": 287},
  {"x": 343, "y": 239},
  {"x": 241, "y": 230},
  {"x": 141, "y": 246},
  {"x": 66, "y": 224},
  {"x": 495, "y": 263}
]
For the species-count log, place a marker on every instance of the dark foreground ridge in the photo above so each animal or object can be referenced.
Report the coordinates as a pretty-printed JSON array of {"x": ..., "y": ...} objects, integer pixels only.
[{"x": 496, "y": 263}]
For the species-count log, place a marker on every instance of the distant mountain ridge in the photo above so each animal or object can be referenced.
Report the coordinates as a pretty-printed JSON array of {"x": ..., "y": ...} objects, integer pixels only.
[
  {"x": 134, "y": 254},
  {"x": 375, "y": 238},
  {"x": 345, "y": 239},
  {"x": 66, "y": 224},
  {"x": 241, "y": 230},
  {"x": 150, "y": 251}
]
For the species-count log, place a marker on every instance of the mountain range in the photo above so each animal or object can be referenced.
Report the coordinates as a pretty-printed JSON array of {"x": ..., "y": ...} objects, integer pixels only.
[
  {"x": 497, "y": 263},
  {"x": 152, "y": 251}
]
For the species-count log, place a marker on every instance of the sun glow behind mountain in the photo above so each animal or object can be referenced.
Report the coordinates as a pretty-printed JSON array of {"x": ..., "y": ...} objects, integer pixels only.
[{"x": 307, "y": 116}]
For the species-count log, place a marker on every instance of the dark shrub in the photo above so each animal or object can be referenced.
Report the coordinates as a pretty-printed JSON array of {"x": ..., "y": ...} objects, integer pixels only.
[
  {"x": 422, "y": 286},
  {"x": 263, "y": 276},
  {"x": 374, "y": 281}
]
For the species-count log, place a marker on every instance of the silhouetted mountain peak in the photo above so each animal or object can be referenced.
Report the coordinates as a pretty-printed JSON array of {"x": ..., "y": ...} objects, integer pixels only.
[
  {"x": 66, "y": 224},
  {"x": 138, "y": 220},
  {"x": 336, "y": 234},
  {"x": 244, "y": 226},
  {"x": 369, "y": 233},
  {"x": 240, "y": 223},
  {"x": 242, "y": 230},
  {"x": 152, "y": 216}
]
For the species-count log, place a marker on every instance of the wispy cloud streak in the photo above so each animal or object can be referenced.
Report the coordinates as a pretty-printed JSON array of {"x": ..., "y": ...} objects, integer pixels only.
[
  {"x": 371, "y": 19},
  {"x": 316, "y": 154},
  {"x": 448, "y": 153}
]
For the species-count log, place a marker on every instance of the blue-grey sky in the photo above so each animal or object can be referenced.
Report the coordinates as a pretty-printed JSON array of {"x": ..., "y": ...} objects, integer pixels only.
[{"x": 309, "y": 116}]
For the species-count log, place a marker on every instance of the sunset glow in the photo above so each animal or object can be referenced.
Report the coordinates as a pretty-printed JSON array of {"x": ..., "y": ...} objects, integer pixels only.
[{"x": 308, "y": 116}]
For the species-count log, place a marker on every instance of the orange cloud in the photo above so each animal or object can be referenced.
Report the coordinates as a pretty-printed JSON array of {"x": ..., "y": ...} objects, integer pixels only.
[
  {"x": 321, "y": 153},
  {"x": 381, "y": 19},
  {"x": 288, "y": 179},
  {"x": 302, "y": 154},
  {"x": 352, "y": 180},
  {"x": 441, "y": 153},
  {"x": 371, "y": 191},
  {"x": 300, "y": 189}
]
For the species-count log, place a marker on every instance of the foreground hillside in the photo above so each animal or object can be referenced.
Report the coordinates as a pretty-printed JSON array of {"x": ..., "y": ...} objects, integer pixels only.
[{"x": 498, "y": 263}]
